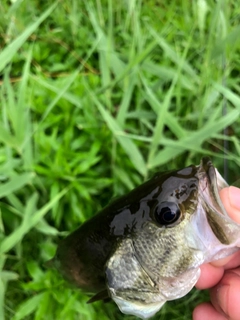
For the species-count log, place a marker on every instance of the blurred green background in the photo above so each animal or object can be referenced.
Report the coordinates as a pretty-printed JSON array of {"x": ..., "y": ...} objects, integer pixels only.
[{"x": 96, "y": 96}]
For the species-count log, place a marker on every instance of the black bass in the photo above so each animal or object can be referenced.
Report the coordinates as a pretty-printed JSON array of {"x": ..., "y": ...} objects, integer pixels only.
[{"x": 146, "y": 247}]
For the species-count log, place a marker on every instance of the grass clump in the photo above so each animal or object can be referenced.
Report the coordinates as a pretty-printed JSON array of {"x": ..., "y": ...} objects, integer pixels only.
[{"x": 95, "y": 97}]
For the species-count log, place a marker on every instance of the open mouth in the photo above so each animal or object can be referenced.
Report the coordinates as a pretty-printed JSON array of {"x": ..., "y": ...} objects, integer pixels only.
[
  {"x": 213, "y": 231},
  {"x": 210, "y": 183}
]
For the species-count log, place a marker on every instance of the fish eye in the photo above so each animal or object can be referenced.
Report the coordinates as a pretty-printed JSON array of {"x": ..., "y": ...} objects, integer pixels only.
[{"x": 166, "y": 213}]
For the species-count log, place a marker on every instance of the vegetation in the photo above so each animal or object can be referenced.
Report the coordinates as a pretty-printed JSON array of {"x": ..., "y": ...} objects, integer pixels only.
[{"x": 95, "y": 96}]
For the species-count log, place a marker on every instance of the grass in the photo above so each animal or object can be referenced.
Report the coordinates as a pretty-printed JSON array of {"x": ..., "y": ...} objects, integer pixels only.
[{"x": 95, "y": 97}]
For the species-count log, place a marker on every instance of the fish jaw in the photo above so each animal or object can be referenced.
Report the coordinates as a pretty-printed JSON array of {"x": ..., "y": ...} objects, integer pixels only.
[
  {"x": 136, "y": 309},
  {"x": 144, "y": 311},
  {"x": 134, "y": 290}
]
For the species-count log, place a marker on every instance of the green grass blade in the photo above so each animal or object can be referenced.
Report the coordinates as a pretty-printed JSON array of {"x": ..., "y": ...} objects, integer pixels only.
[
  {"x": 230, "y": 95},
  {"x": 30, "y": 219},
  {"x": 194, "y": 140},
  {"x": 128, "y": 89},
  {"x": 128, "y": 145},
  {"x": 2, "y": 296},
  {"x": 7, "y": 138},
  {"x": 15, "y": 183},
  {"x": 173, "y": 55},
  {"x": 7, "y": 54},
  {"x": 73, "y": 99},
  {"x": 41, "y": 212},
  {"x": 161, "y": 118},
  {"x": 28, "y": 307}
]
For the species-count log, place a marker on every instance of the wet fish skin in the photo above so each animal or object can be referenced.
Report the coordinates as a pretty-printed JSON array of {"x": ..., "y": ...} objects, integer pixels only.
[{"x": 130, "y": 252}]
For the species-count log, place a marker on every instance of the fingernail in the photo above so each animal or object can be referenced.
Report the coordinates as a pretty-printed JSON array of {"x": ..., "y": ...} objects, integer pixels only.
[
  {"x": 222, "y": 295},
  {"x": 234, "y": 197}
]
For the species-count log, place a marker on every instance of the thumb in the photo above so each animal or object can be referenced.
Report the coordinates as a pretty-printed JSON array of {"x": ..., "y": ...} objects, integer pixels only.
[
  {"x": 231, "y": 200},
  {"x": 226, "y": 295}
]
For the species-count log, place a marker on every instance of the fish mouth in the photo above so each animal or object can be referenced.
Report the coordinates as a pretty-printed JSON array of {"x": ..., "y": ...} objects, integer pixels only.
[
  {"x": 211, "y": 231},
  {"x": 210, "y": 183},
  {"x": 211, "y": 220}
]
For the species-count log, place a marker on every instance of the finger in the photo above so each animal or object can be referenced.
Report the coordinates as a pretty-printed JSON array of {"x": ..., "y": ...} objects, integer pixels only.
[
  {"x": 221, "y": 262},
  {"x": 225, "y": 296},
  {"x": 230, "y": 262},
  {"x": 205, "y": 311},
  {"x": 210, "y": 276},
  {"x": 231, "y": 200},
  {"x": 234, "y": 262}
]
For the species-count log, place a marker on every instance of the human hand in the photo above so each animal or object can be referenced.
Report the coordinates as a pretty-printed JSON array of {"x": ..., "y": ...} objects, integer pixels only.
[{"x": 222, "y": 276}]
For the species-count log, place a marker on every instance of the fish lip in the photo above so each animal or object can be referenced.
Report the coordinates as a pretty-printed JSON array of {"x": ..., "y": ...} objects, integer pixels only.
[
  {"x": 211, "y": 183},
  {"x": 208, "y": 168},
  {"x": 214, "y": 176},
  {"x": 205, "y": 164}
]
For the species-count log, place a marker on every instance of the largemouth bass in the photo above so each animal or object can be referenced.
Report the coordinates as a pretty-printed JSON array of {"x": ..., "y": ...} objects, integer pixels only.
[{"x": 146, "y": 247}]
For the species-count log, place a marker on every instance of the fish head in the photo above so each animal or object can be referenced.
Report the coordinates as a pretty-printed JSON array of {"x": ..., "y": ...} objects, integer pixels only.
[
  {"x": 188, "y": 227},
  {"x": 146, "y": 247}
]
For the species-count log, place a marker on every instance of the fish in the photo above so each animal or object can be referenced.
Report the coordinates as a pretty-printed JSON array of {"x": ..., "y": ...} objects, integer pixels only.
[{"x": 146, "y": 247}]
